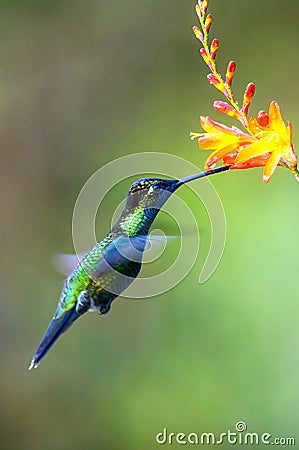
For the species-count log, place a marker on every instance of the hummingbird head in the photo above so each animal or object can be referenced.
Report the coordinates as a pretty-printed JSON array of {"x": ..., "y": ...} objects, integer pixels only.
[{"x": 151, "y": 192}]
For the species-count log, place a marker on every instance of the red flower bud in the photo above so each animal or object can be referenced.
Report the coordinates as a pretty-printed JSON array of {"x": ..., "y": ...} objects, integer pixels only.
[
  {"x": 214, "y": 48},
  {"x": 263, "y": 118},
  {"x": 204, "y": 56},
  {"x": 248, "y": 95},
  {"x": 230, "y": 71},
  {"x": 208, "y": 23}
]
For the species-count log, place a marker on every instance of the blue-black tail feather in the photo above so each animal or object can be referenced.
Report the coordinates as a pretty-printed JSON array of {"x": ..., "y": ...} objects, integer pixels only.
[{"x": 55, "y": 329}]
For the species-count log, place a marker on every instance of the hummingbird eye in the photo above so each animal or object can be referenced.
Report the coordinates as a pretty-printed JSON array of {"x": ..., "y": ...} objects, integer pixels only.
[{"x": 154, "y": 188}]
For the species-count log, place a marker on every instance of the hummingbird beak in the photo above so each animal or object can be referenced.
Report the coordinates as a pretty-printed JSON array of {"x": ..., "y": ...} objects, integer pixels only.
[{"x": 201, "y": 175}]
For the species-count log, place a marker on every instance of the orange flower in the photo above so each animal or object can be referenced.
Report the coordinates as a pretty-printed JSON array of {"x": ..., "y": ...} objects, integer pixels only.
[{"x": 269, "y": 144}]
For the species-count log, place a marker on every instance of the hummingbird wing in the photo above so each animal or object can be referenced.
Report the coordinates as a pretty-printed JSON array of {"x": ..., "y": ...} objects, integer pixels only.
[
  {"x": 117, "y": 265},
  {"x": 65, "y": 263}
]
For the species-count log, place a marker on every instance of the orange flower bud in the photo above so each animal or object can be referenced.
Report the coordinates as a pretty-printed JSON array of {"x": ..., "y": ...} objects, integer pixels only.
[
  {"x": 225, "y": 108},
  {"x": 214, "y": 48},
  {"x": 212, "y": 79},
  {"x": 230, "y": 71},
  {"x": 248, "y": 95},
  {"x": 205, "y": 56},
  {"x": 208, "y": 23}
]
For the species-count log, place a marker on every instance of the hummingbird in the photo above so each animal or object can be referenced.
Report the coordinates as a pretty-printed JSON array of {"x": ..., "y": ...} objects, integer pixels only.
[{"x": 115, "y": 261}]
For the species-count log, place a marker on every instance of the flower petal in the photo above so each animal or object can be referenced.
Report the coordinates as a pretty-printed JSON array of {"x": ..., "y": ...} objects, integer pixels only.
[
  {"x": 271, "y": 166},
  {"x": 255, "y": 149},
  {"x": 207, "y": 124},
  {"x": 289, "y": 154},
  {"x": 275, "y": 120},
  {"x": 258, "y": 161},
  {"x": 218, "y": 141},
  {"x": 217, "y": 155},
  {"x": 210, "y": 125}
]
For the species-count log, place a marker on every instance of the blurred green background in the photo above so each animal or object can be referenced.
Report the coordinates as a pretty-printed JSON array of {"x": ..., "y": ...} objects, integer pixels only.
[{"x": 82, "y": 83}]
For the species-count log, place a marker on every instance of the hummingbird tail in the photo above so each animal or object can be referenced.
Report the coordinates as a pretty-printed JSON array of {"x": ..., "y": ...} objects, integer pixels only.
[{"x": 55, "y": 329}]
